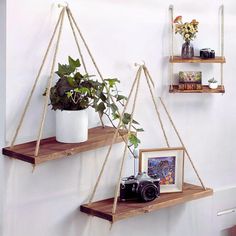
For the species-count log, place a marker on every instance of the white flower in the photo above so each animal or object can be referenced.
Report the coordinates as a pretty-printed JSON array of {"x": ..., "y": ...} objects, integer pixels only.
[{"x": 186, "y": 36}]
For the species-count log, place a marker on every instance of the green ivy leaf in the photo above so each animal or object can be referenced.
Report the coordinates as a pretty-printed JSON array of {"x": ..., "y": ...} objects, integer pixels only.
[
  {"x": 69, "y": 94},
  {"x": 115, "y": 116},
  {"x": 100, "y": 107},
  {"x": 64, "y": 70},
  {"x": 113, "y": 107},
  {"x": 82, "y": 90},
  {"x": 78, "y": 77},
  {"x": 112, "y": 82},
  {"x": 126, "y": 118},
  {"x": 133, "y": 139},
  {"x": 121, "y": 97},
  {"x": 74, "y": 63},
  {"x": 71, "y": 81}
]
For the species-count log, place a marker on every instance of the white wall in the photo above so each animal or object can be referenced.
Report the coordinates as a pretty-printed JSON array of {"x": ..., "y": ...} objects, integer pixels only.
[
  {"x": 119, "y": 33},
  {"x": 2, "y": 105}
]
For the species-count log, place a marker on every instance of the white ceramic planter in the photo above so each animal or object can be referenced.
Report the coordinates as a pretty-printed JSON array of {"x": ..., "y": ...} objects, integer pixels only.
[
  {"x": 71, "y": 126},
  {"x": 213, "y": 85}
]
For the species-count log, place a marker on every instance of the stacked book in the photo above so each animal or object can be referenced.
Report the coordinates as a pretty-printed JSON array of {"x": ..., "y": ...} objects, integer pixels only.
[{"x": 190, "y": 80}]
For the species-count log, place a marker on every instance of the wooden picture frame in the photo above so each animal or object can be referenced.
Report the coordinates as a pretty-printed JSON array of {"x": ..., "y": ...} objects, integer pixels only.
[{"x": 167, "y": 164}]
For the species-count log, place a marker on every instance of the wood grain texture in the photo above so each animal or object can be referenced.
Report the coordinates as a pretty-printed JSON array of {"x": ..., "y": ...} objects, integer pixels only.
[
  {"x": 103, "y": 209},
  {"x": 205, "y": 89},
  {"x": 179, "y": 59},
  {"x": 50, "y": 149},
  {"x": 232, "y": 231}
]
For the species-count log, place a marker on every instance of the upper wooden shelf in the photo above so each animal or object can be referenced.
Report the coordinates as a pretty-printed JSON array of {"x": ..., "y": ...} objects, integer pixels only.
[
  {"x": 103, "y": 209},
  {"x": 179, "y": 59},
  {"x": 205, "y": 89},
  {"x": 50, "y": 149}
]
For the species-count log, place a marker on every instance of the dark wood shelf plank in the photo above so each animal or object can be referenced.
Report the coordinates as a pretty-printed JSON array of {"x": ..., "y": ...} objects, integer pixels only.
[
  {"x": 179, "y": 59},
  {"x": 50, "y": 149},
  {"x": 205, "y": 89},
  {"x": 103, "y": 209}
]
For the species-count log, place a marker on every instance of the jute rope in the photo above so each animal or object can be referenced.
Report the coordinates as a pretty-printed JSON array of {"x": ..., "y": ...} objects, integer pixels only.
[
  {"x": 113, "y": 139},
  {"x": 85, "y": 44},
  {"x": 80, "y": 53},
  {"x": 126, "y": 146},
  {"x": 94, "y": 63},
  {"x": 49, "y": 85},
  {"x": 171, "y": 9},
  {"x": 148, "y": 79},
  {"x": 222, "y": 44},
  {"x": 36, "y": 81},
  {"x": 181, "y": 141},
  {"x": 76, "y": 40}
]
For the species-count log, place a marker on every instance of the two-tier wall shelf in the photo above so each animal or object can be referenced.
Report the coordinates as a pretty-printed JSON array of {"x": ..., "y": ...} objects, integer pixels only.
[
  {"x": 50, "y": 149},
  {"x": 174, "y": 88}
]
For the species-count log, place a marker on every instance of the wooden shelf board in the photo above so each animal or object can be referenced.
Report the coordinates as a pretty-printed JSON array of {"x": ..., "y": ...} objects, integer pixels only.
[
  {"x": 205, "y": 89},
  {"x": 179, "y": 59},
  {"x": 50, "y": 149},
  {"x": 103, "y": 209}
]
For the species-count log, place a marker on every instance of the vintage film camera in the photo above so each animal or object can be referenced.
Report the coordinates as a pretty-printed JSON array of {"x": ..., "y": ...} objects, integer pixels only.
[
  {"x": 140, "y": 187},
  {"x": 206, "y": 53}
]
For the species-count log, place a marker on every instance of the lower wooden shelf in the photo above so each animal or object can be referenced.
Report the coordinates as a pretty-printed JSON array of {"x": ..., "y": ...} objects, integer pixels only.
[
  {"x": 103, "y": 209},
  {"x": 50, "y": 149},
  {"x": 205, "y": 89}
]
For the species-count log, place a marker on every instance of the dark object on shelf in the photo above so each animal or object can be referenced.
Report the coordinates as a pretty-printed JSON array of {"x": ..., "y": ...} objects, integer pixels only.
[
  {"x": 141, "y": 187},
  {"x": 190, "y": 80},
  {"x": 187, "y": 50},
  {"x": 207, "y": 53},
  {"x": 103, "y": 208}
]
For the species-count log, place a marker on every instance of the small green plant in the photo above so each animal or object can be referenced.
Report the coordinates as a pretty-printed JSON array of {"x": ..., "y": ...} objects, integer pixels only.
[
  {"x": 212, "y": 80},
  {"x": 74, "y": 91}
]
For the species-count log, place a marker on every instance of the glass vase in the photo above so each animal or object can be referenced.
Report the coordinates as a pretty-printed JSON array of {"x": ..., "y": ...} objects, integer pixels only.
[{"x": 187, "y": 50}]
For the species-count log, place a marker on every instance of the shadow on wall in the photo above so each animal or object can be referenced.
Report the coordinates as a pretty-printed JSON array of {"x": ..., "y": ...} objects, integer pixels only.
[{"x": 71, "y": 221}]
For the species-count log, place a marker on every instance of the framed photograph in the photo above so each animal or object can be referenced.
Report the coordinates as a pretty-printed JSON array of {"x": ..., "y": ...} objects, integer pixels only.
[
  {"x": 190, "y": 80},
  {"x": 167, "y": 164}
]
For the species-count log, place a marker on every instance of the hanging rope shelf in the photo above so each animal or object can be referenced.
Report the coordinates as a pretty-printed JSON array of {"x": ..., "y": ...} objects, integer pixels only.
[
  {"x": 43, "y": 150},
  {"x": 173, "y": 88},
  {"x": 114, "y": 210}
]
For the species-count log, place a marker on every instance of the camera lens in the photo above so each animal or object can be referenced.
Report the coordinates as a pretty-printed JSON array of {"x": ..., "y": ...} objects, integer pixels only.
[{"x": 147, "y": 191}]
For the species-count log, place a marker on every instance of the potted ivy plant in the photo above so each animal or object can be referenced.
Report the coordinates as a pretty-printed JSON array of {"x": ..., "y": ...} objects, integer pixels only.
[
  {"x": 74, "y": 93},
  {"x": 213, "y": 83},
  {"x": 70, "y": 97}
]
